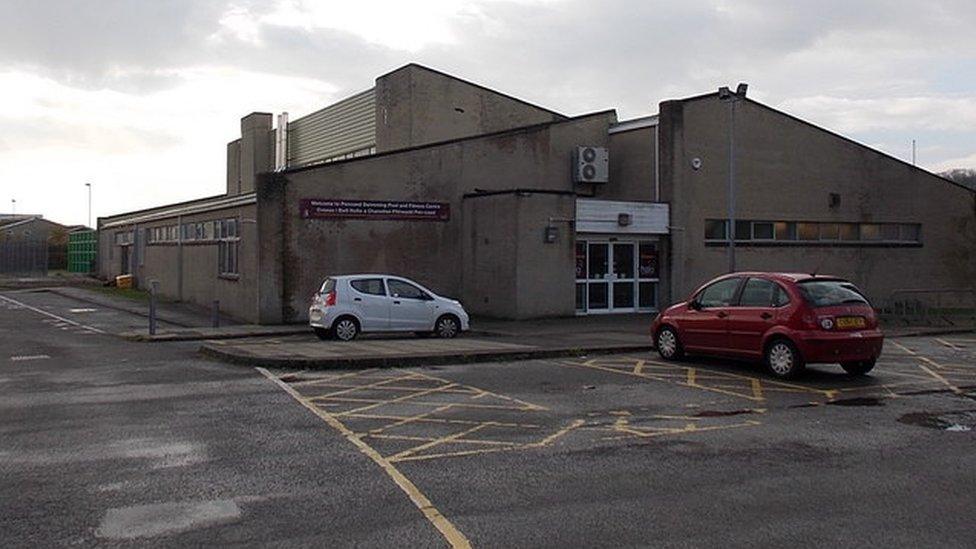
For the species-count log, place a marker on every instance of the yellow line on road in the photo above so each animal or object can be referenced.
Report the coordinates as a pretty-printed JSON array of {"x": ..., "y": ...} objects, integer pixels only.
[
  {"x": 945, "y": 381},
  {"x": 431, "y": 513},
  {"x": 757, "y": 388},
  {"x": 639, "y": 367},
  {"x": 948, "y": 344},
  {"x": 437, "y": 442},
  {"x": 918, "y": 356}
]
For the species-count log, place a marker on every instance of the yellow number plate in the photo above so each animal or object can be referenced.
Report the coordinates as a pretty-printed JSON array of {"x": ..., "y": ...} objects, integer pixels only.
[{"x": 850, "y": 322}]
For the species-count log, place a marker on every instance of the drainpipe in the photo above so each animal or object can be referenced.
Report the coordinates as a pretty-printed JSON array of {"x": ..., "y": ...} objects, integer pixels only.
[{"x": 179, "y": 257}]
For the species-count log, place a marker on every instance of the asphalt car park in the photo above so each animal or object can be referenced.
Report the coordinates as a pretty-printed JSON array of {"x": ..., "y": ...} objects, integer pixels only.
[
  {"x": 456, "y": 432},
  {"x": 107, "y": 441}
]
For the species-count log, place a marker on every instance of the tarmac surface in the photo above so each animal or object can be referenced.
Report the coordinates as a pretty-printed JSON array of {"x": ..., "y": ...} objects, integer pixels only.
[{"x": 109, "y": 442}]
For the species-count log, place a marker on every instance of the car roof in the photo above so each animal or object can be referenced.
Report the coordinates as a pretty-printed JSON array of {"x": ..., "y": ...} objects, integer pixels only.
[
  {"x": 783, "y": 276},
  {"x": 365, "y": 275}
]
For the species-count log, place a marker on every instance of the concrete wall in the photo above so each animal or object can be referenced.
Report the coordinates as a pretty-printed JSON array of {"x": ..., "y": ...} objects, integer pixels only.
[
  {"x": 256, "y": 150},
  {"x": 189, "y": 271},
  {"x": 234, "y": 167},
  {"x": 786, "y": 170},
  {"x": 533, "y": 158},
  {"x": 632, "y": 163},
  {"x": 416, "y": 105}
]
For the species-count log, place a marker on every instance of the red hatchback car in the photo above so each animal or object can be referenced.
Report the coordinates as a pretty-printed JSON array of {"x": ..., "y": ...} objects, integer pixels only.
[{"x": 787, "y": 320}]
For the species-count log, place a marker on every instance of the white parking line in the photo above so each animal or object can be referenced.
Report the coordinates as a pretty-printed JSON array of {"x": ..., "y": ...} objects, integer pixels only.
[
  {"x": 51, "y": 315},
  {"x": 21, "y": 358}
]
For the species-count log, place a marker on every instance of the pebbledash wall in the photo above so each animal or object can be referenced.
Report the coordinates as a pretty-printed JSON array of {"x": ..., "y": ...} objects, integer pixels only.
[{"x": 506, "y": 229}]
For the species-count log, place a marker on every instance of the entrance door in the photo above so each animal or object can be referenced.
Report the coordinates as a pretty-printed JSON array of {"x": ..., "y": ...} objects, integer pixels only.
[{"x": 615, "y": 276}]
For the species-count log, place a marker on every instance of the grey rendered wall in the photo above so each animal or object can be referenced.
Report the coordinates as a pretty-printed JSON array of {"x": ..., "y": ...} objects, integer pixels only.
[
  {"x": 431, "y": 252},
  {"x": 632, "y": 160},
  {"x": 786, "y": 170},
  {"x": 489, "y": 250},
  {"x": 416, "y": 105},
  {"x": 545, "y": 272},
  {"x": 256, "y": 151}
]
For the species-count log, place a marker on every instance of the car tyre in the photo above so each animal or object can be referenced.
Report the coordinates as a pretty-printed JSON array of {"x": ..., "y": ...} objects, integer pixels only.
[
  {"x": 345, "y": 328},
  {"x": 858, "y": 368},
  {"x": 782, "y": 359},
  {"x": 447, "y": 327},
  {"x": 322, "y": 333},
  {"x": 668, "y": 345}
]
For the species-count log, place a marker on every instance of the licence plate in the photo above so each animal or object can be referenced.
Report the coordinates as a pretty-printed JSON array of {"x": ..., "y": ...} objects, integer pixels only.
[{"x": 850, "y": 322}]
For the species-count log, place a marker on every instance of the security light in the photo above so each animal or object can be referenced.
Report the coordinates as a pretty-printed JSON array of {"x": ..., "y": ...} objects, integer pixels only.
[
  {"x": 724, "y": 92},
  {"x": 740, "y": 90}
]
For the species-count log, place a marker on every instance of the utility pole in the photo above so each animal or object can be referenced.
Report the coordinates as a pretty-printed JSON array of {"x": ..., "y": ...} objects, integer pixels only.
[
  {"x": 13, "y": 206},
  {"x": 725, "y": 94},
  {"x": 89, "y": 185}
]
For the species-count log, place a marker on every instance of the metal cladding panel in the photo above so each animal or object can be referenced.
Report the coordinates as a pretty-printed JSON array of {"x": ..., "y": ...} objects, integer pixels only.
[
  {"x": 345, "y": 127},
  {"x": 604, "y": 216}
]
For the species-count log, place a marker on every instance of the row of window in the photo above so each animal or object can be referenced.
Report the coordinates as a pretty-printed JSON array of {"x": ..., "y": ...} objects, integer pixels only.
[
  {"x": 773, "y": 231},
  {"x": 220, "y": 229},
  {"x": 757, "y": 292}
]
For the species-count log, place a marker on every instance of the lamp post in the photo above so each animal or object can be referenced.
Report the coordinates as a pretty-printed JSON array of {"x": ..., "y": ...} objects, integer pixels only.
[
  {"x": 13, "y": 206},
  {"x": 89, "y": 204},
  {"x": 727, "y": 95}
]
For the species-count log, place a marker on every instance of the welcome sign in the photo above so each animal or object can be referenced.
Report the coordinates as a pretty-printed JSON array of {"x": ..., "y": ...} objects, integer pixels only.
[{"x": 331, "y": 208}]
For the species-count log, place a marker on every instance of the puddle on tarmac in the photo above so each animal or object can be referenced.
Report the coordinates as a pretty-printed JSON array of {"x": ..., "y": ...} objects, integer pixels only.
[
  {"x": 858, "y": 401},
  {"x": 723, "y": 413},
  {"x": 958, "y": 422}
]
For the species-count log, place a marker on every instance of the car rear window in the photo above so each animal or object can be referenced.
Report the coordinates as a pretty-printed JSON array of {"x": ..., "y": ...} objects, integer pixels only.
[
  {"x": 327, "y": 286},
  {"x": 826, "y": 293},
  {"x": 371, "y": 286}
]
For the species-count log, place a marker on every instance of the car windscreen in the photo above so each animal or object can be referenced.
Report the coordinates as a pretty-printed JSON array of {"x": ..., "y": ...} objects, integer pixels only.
[
  {"x": 327, "y": 286},
  {"x": 827, "y": 293}
]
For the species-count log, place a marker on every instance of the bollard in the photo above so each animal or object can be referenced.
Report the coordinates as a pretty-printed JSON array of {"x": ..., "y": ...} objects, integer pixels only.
[
  {"x": 153, "y": 290},
  {"x": 215, "y": 317}
]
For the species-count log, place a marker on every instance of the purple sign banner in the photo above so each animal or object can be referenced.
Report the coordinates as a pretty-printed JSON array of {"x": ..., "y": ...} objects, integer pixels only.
[{"x": 331, "y": 208}]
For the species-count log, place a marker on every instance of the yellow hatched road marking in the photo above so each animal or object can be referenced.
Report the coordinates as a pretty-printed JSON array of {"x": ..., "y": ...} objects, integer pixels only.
[
  {"x": 426, "y": 507},
  {"x": 948, "y": 344},
  {"x": 436, "y": 442}
]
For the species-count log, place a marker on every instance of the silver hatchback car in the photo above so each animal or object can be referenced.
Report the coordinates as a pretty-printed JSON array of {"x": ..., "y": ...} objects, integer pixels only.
[{"x": 348, "y": 305}]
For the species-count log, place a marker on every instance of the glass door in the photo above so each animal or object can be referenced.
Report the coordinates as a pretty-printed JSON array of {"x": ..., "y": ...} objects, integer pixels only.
[
  {"x": 598, "y": 277},
  {"x": 616, "y": 277}
]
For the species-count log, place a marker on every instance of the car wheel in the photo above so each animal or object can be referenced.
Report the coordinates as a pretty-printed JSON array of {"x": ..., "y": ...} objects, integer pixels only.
[
  {"x": 858, "y": 368},
  {"x": 447, "y": 327},
  {"x": 668, "y": 345},
  {"x": 783, "y": 360},
  {"x": 345, "y": 329},
  {"x": 322, "y": 334}
]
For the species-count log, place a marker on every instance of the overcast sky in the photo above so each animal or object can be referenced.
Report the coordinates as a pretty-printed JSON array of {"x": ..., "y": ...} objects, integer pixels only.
[{"x": 141, "y": 97}]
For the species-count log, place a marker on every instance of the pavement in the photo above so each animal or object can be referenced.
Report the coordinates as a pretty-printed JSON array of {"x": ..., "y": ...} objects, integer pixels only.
[{"x": 116, "y": 443}]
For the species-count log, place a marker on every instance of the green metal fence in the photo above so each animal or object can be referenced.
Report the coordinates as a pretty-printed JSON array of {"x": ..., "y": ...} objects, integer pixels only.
[{"x": 82, "y": 246}]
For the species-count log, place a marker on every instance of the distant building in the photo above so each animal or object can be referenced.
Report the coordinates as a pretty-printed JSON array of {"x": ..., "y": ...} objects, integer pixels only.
[
  {"x": 30, "y": 244},
  {"x": 524, "y": 212}
]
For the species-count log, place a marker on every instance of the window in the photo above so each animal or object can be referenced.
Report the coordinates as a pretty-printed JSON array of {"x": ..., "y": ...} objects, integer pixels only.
[
  {"x": 829, "y": 231},
  {"x": 762, "y": 233},
  {"x": 762, "y": 230},
  {"x": 228, "y": 247},
  {"x": 910, "y": 232},
  {"x": 757, "y": 293},
  {"x": 399, "y": 288},
  {"x": 827, "y": 293},
  {"x": 715, "y": 229},
  {"x": 780, "y": 297},
  {"x": 719, "y": 294},
  {"x": 743, "y": 230},
  {"x": 371, "y": 286},
  {"x": 849, "y": 232},
  {"x": 808, "y": 231},
  {"x": 785, "y": 230}
]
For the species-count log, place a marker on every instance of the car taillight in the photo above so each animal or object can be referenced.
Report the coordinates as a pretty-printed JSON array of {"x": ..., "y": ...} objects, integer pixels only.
[
  {"x": 827, "y": 323},
  {"x": 330, "y": 298}
]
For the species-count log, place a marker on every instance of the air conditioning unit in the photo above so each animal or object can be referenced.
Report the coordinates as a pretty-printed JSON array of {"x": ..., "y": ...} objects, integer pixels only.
[{"x": 591, "y": 165}]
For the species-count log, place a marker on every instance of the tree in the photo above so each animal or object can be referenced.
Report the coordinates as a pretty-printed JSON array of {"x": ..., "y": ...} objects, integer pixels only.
[{"x": 966, "y": 176}]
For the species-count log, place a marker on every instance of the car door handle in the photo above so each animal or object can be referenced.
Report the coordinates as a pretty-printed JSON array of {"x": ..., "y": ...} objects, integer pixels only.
[
  {"x": 357, "y": 299},
  {"x": 396, "y": 302},
  {"x": 766, "y": 316},
  {"x": 722, "y": 314}
]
